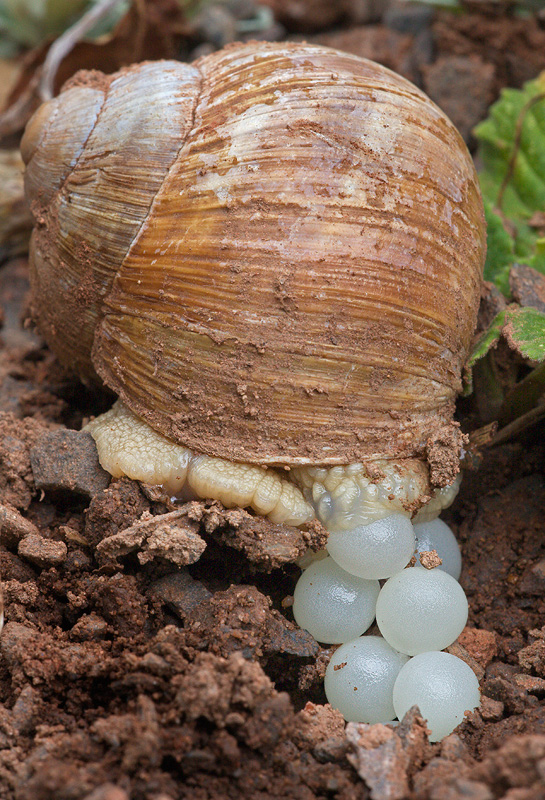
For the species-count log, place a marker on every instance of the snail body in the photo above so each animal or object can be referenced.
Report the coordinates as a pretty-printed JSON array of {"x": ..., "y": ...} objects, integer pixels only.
[
  {"x": 273, "y": 256},
  {"x": 290, "y": 278}
]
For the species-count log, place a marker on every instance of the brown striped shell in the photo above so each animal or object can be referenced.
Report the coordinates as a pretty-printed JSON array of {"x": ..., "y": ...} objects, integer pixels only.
[{"x": 272, "y": 255}]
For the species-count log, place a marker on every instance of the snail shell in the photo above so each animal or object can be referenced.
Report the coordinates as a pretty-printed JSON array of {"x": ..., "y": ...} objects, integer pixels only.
[{"x": 272, "y": 255}]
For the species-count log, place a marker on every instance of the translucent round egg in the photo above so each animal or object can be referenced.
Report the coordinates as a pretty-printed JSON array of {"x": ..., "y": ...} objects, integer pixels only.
[
  {"x": 436, "y": 535},
  {"x": 332, "y": 605},
  {"x": 420, "y": 610},
  {"x": 442, "y": 686},
  {"x": 377, "y": 550},
  {"x": 359, "y": 680}
]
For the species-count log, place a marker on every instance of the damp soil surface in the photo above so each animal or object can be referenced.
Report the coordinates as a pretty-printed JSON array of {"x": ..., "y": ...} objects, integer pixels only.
[{"x": 149, "y": 652}]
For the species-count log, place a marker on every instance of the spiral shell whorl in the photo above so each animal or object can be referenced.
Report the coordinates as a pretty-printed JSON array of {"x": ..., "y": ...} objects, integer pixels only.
[
  {"x": 92, "y": 184},
  {"x": 300, "y": 285}
]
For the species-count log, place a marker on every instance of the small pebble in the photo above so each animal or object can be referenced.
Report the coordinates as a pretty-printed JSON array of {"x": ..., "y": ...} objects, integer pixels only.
[
  {"x": 14, "y": 527},
  {"x": 456, "y": 649},
  {"x": 491, "y": 710},
  {"x": 527, "y": 286},
  {"x": 181, "y": 592},
  {"x": 90, "y": 627},
  {"x": 165, "y": 536},
  {"x": 530, "y": 683},
  {"x": 67, "y": 461},
  {"x": 78, "y": 561},
  {"x": 42, "y": 552},
  {"x": 25, "y": 710},
  {"x": 16, "y": 640},
  {"x": 108, "y": 791},
  {"x": 463, "y": 87}
]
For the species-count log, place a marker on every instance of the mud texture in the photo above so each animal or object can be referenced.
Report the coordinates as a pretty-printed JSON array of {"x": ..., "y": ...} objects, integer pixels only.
[
  {"x": 275, "y": 334},
  {"x": 149, "y": 652}
]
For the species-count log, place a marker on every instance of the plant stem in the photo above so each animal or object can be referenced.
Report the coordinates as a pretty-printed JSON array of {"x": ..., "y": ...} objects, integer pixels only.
[
  {"x": 520, "y": 424},
  {"x": 524, "y": 396}
]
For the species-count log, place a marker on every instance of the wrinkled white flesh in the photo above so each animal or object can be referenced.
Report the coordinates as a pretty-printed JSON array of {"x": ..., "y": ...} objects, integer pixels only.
[
  {"x": 441, "y": 499},
  {"x": 127, "y": 446},
  {"x": 342, "y": 498},
  {"x": 346, "y": 497}
]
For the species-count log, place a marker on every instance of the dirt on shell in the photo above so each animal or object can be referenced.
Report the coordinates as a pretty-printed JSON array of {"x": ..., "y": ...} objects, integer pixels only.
[{"x": 150, "y": 653}]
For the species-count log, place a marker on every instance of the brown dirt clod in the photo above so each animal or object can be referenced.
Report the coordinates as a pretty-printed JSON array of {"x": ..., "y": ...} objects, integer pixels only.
[{"x": 125, "y": 676}]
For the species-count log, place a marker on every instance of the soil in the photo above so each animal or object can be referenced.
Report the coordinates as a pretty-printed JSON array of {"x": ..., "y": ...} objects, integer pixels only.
[{"x": 149, "y": 652}]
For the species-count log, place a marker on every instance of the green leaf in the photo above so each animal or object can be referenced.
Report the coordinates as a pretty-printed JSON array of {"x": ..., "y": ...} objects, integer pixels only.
[
  {"x": 497, "y": 143},
  {"x": 500, "y": 252},
  {"x": 488, "y": 339},
  {"x": 524, "y": 329},
  {"x": 29, "y": 22},
  {"x": 538, "y": 259},
  {"x": 512, "y": 151}
]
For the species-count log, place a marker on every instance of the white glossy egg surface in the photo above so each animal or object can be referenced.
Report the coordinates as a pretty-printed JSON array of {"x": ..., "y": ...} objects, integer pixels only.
[
  {"x": 360, "y": 678},
  {"x": 436, "y": 535},
  {"x": 333, "y": 605},
  {"x": 420, "y": 610},
  {"x": 442, "y": 686},
  {"x": 377, "y": 550}
]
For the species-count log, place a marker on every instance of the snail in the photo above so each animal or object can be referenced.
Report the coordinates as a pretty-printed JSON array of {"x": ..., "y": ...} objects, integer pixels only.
[{"x": 273, "y": 256}]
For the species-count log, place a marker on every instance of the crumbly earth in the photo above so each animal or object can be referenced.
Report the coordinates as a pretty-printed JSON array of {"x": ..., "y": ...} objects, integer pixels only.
[
  {"x": 149, "y": 653},
  {"x": 135, "y": 666}
]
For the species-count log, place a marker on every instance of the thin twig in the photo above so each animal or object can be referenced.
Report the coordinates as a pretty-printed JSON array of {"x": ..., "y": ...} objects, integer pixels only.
[
  {"x": 140, "y": 33},
  {"x": 526, "y": 394},
  {"x": 65, "y": 43},
  {"x": 518, "y": 425}
]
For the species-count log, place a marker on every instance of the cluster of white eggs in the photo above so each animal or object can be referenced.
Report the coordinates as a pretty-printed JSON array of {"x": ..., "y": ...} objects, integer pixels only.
[{"x": 419, "y": 612}]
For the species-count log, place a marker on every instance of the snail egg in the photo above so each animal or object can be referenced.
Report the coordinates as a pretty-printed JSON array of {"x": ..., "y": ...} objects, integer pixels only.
[
  {"x": 436, "y": 535},
  {"x": 332, "y": 605},
  {"x": 377, "y": 550},
  {"x": 360, "y": 678},
  {"x": 420, "y": 610},
  {"x": 442, "y": 686}
]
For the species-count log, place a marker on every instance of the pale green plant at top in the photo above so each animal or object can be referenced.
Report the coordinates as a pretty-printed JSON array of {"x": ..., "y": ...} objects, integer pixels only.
[
  {"x": 26, "y": 23},
  {"x": 512, "y": 152},
  {"x": 519, "y": 7}
]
